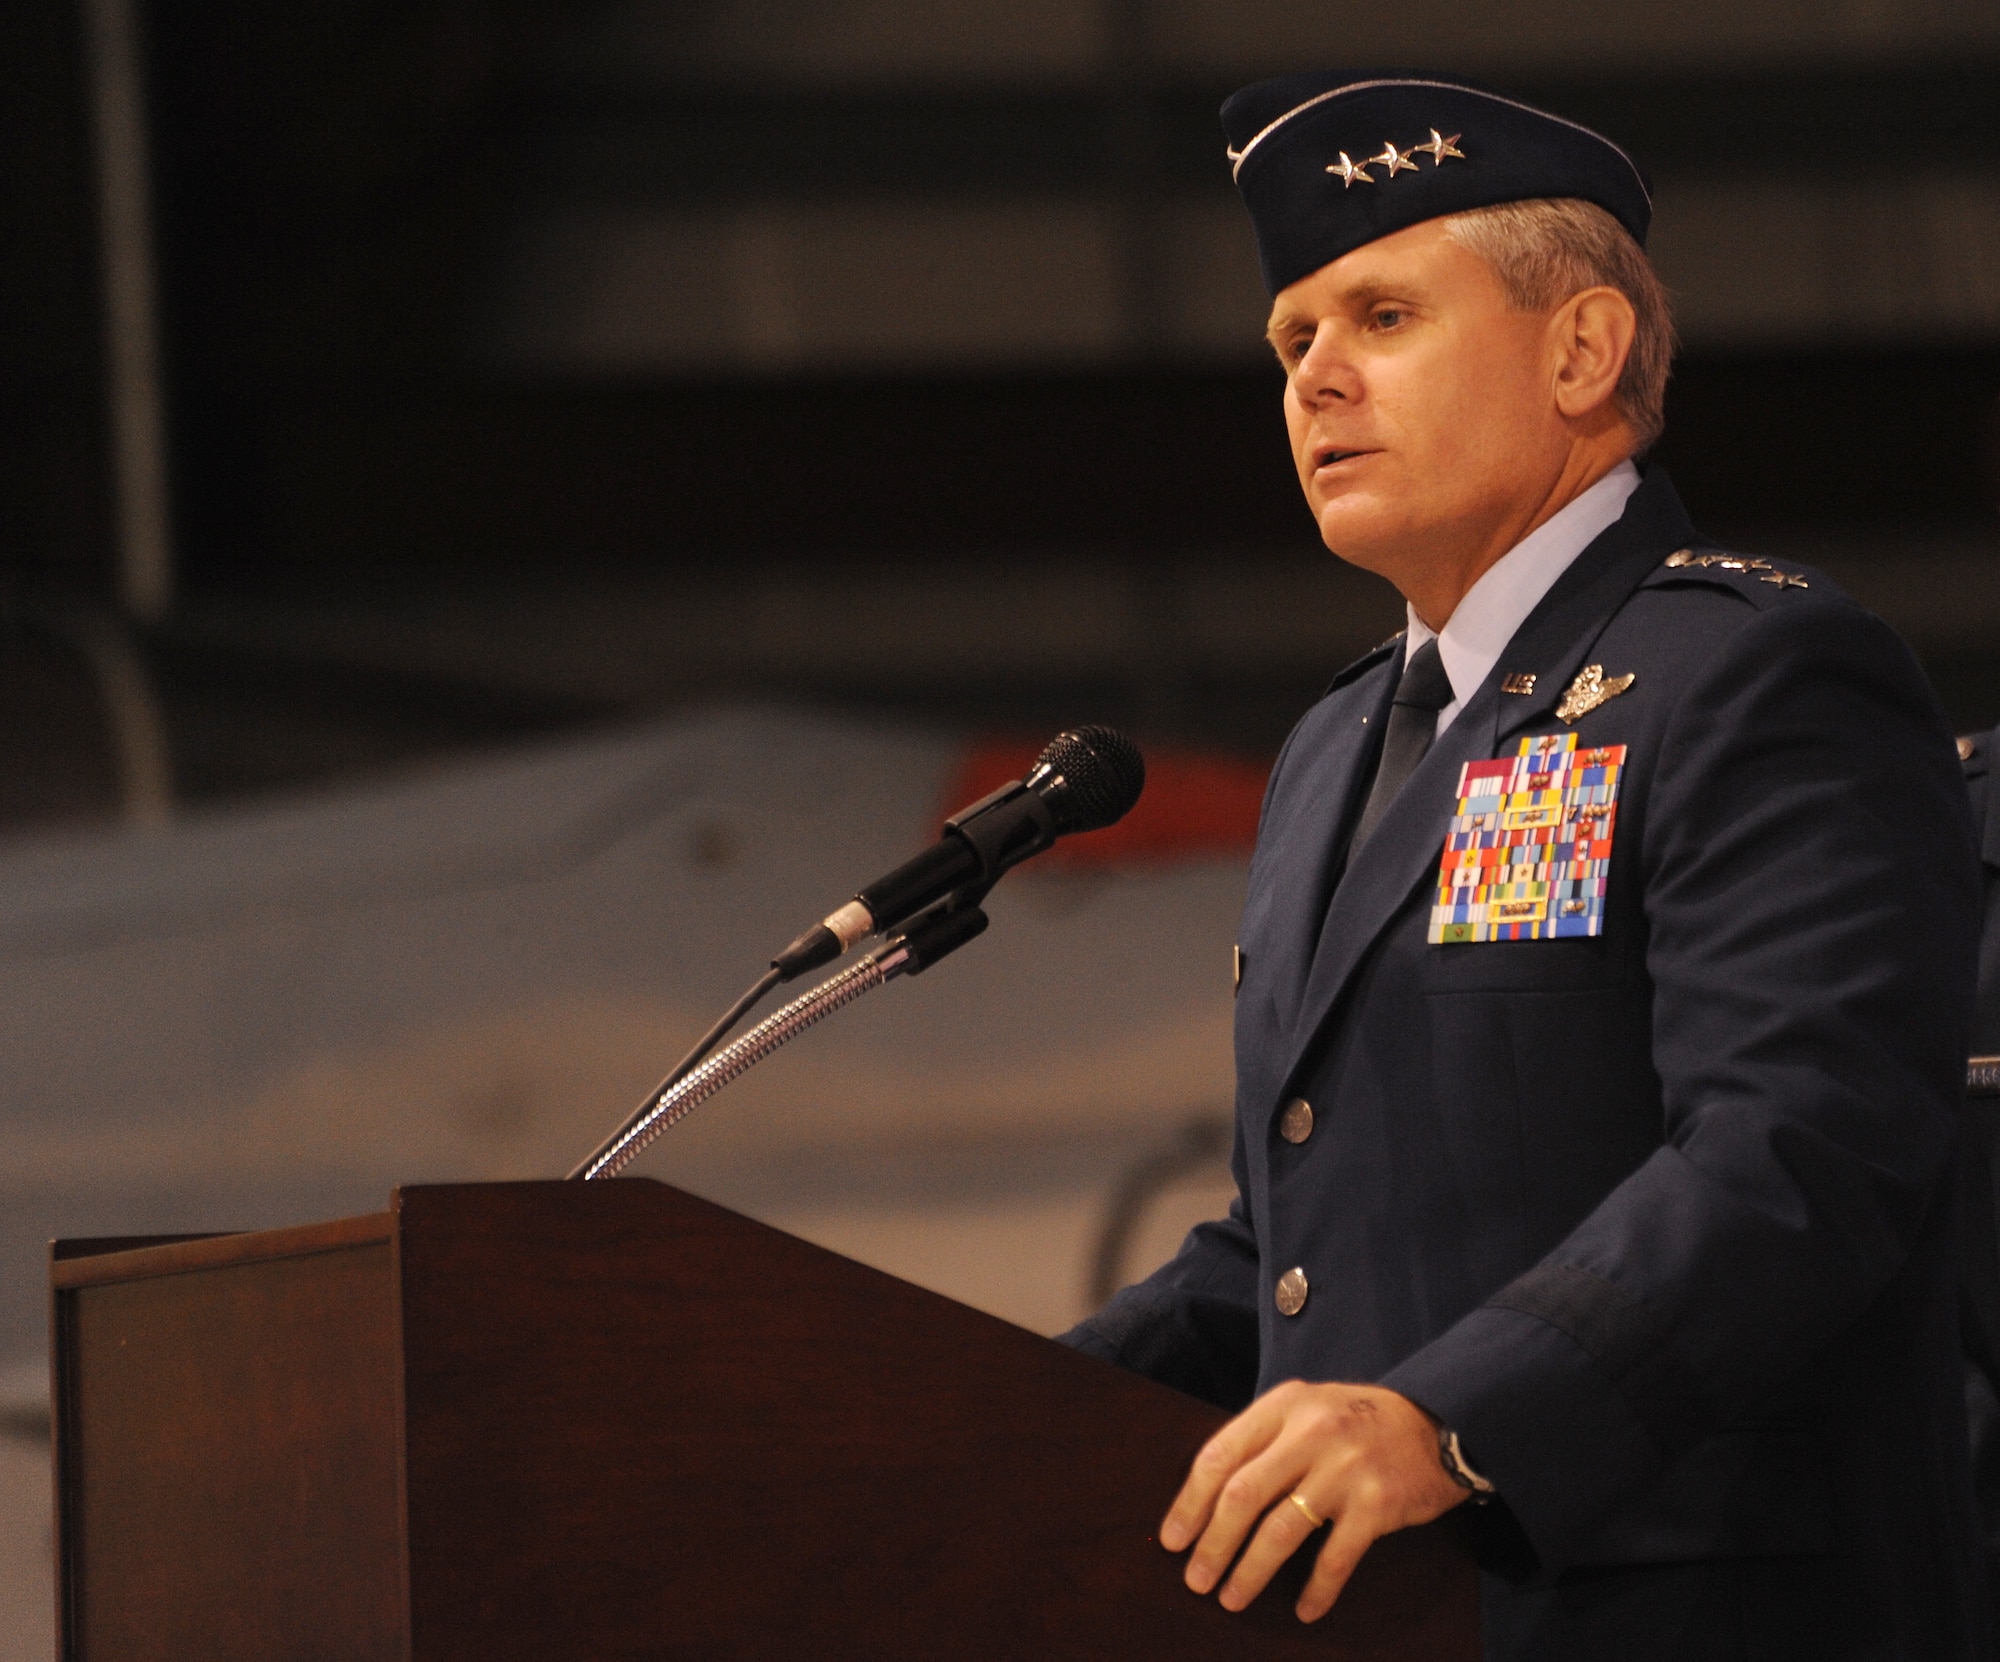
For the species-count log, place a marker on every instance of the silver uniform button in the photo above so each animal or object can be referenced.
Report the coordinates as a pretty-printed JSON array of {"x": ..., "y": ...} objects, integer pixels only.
[
  {"x": 1292, "y": 1292},
  {"x": 1295, "y": 1124}
]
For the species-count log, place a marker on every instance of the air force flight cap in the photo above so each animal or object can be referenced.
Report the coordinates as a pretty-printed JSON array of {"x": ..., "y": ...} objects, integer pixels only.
[{"x": 1328, "y": 162}]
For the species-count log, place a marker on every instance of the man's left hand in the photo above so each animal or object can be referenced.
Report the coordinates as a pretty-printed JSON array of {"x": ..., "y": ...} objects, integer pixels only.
[{"x": 1363, "y": 1457}]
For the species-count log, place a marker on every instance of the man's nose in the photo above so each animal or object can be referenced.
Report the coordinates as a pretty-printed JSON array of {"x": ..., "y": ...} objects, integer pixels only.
[{"x": 1325, "y": 374}]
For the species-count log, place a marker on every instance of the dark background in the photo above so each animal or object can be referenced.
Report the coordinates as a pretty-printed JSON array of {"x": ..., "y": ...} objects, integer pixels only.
[{"x": 392, "y": 539}]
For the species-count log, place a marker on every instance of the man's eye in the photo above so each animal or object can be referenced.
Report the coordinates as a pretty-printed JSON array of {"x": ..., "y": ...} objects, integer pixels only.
[{"x": 1388, "y": 317}]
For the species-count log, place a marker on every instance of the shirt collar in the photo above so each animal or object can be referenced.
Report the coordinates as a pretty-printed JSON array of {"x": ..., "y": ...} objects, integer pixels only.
[{"x": 1498, "y": 604}]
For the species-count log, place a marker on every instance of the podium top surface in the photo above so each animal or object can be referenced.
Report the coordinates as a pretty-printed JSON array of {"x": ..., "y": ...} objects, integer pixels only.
[{"x": 85, "y": 1263}]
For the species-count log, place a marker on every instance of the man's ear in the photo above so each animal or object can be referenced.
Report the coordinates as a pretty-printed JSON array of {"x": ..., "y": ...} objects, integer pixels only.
[{"x": 1592, "y": 339}]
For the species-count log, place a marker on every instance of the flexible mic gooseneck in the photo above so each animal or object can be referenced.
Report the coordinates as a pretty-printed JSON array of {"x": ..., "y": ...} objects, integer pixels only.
[{"x": 927, "y": 938}]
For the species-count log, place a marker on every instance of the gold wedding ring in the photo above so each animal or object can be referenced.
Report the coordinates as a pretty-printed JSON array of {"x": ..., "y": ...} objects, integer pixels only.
[{"x": 1311, "y": 1516}]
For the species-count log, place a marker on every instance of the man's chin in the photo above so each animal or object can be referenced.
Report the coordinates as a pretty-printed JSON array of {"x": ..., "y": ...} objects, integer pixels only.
[{"x": 1357, "y": 534}]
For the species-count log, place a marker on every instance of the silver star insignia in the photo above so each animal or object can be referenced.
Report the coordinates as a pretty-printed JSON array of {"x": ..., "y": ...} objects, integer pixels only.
[
  {"x": 1351, "y": 173},
  {"x": 1439, "y": 148},
  {"x": 1396, "y": 161}
]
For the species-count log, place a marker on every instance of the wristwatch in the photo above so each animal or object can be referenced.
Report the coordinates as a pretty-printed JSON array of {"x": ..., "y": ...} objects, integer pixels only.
[{"x": 1452, "y": 1458}]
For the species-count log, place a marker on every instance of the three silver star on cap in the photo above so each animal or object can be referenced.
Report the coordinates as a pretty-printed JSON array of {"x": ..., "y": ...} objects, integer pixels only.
[
  {"x": 1354, "y": 173},
  {"x": 1439, "y": 148},
  {"x": 1396, "y": 161},
  {"x": 1350, "y": 172}
]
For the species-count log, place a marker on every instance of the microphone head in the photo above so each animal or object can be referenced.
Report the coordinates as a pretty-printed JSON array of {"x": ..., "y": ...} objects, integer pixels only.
[{"x": 1089, "y": 777}]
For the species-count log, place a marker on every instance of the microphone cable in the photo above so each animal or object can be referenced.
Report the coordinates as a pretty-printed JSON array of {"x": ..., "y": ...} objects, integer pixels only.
[{"x": 687, "y": 1064}]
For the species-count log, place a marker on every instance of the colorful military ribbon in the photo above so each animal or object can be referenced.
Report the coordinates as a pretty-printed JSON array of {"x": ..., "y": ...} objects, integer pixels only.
[{"x": 1528, "y": 855}]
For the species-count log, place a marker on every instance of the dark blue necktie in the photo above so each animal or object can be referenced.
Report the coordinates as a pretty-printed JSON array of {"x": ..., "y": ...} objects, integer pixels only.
[{"x": 1424, "y": 690}]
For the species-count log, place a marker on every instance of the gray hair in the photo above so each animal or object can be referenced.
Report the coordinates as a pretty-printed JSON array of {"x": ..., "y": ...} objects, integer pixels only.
[{"x": 1547, "y": 249}]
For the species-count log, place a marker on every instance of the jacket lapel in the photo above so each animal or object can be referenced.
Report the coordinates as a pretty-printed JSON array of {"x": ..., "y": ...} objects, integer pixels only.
[
  {"x": 1406, "y": 844},
  {"x": 1556, "y": 640},
  {"x": 1306, "y": 845}
]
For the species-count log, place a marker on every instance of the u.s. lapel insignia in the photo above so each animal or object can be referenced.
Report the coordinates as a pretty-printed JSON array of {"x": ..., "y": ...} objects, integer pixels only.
[
  {"x": 1590, "y": 689},
  {"x": 1528, "y": 855}
]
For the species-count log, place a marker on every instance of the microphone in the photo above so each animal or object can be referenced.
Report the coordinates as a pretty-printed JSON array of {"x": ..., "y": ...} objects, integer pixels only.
[{"x": 1084, "y": 779}]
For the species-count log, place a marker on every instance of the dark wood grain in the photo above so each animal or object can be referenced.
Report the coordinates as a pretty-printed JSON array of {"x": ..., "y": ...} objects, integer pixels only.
[
  {"x": 631, "y": 1425},
  {"x": 683, "y": 1434},
  {"x": 227, "y": 1456}
]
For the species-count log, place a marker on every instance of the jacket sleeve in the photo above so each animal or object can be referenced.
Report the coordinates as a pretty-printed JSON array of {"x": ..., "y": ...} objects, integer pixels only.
[
  {"x": 1192, "y": 1324},
  {"x": 1811, "y": 902}
]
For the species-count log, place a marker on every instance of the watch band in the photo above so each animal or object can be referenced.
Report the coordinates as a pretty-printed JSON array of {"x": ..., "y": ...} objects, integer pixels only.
[{"x": 1456, "y": 1467}]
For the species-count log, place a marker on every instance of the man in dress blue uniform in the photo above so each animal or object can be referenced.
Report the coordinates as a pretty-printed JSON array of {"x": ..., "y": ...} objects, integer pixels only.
[{"x": 1603, "y": 981}]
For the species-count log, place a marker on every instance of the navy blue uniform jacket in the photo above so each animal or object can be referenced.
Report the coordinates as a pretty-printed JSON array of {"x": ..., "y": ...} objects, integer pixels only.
[{"x": 1659, "y": 1221}]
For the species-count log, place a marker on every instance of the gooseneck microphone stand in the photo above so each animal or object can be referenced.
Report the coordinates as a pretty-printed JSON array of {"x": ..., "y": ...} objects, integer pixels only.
[{"x": 922, "y": 942}]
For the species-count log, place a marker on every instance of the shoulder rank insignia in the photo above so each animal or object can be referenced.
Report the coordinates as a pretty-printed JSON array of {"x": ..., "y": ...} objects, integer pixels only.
[
  {"x": 1763, "y": 570},
  {"x": 1528, "y": 854},
  {"x": 1590, "y": 689}
]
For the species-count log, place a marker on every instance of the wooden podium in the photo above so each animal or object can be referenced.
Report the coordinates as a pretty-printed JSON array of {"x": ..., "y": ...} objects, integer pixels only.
[{"x": 609, "y": 1420}]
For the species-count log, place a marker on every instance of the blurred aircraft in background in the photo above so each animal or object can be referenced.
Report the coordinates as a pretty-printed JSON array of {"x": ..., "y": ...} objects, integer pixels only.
[{"x": 271, "y": 1014}]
